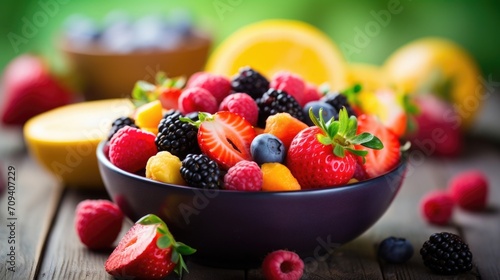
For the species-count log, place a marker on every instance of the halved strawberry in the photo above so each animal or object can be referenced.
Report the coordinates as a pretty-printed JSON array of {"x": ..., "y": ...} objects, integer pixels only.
[
  {"x": 225, "y": 137},
  {"x": 169, "y": 97},
  {"x": 147, "y": 251},
  {"x": 381, "y": 161}
]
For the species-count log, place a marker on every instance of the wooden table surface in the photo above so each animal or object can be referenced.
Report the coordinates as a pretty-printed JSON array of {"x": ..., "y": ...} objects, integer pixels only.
[{"x": 47, "y": 247}]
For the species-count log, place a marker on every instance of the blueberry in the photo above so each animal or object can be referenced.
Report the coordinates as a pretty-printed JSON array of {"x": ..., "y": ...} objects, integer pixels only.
[
  {"x": 81, "y": 30},
  {"x": 267, "y": 148},
  {"x": 328, "y": 110},
  {"x": 395, "y": 250}
]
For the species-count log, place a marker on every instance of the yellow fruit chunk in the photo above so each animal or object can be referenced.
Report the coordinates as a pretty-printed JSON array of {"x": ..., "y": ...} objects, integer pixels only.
[
  {"x": 166, "y": 168},
  {"x": 277, "y": 177},
  {"x": 441, "y": 67},
  {"x": 370, "y": 77},
  {"x": 149, "y": 115},
  {"x": 273, "y": 45},
  {"x": 64, "y": 140}
]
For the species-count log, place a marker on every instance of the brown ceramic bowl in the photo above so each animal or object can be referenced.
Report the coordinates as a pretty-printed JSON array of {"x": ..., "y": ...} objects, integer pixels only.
[
  {"x": 237, "y": 229},
  {"x": 106, "y": 75}
]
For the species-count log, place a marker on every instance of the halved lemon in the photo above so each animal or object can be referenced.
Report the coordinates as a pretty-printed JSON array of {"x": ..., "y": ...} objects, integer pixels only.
[
  {"x": 64, "y": 140},
  {"x": 273, "y": 45},
  {"x": 441, "y": 67}
]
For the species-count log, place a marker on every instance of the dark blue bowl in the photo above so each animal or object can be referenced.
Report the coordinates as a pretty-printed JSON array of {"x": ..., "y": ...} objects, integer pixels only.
[{"x": 237, "y": 229}]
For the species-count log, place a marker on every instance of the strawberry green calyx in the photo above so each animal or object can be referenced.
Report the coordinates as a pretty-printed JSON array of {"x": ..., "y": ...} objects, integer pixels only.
[
  {"x": 342, "y": 134},
  {"x": 167, "y": 240},
  {"x": 145, "y": 92},
  {"x": 202, "y": 117}
]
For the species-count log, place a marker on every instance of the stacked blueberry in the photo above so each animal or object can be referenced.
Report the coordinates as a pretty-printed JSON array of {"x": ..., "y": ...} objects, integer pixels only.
[{"x": 121, "y": 33}]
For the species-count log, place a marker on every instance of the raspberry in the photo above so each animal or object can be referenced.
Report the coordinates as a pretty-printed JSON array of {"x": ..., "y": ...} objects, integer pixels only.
[
  {"x": 282, "y": 264},
  {"x": 311, "y": 93},
  {"x": 196, "y": 99},
  {"x": 437, "y": 207},
  {"x": 219, "y": 86},
  {"x": 98, "y": 223},
  {"x": 469, "y": 190},
  {"x": 290, "y": 83},
  {"x": 241, "y": 104},
  {"x": 244, "y": 176},
  {"x": 130, "y": 148}
]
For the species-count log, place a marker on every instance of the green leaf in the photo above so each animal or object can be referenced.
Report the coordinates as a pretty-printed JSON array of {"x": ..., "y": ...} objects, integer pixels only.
[
  {"x": 333, "y": 129},
  {"x": 164, "y": 242},
  {"x": 150, "y": 219},
  {"x": 160, "y": 78},
  {"x": 360, "y": 153},
  {"x": 362, "y": 138},
  {"x": 180, "y": 267},
  {"x": 184, "y": 249},
  {"x": 375, "y": 143},
  {"x": 323, "y": 139},
  {"x": 179, "y": 82},
  {"x": 352, "y": 127},
  {"x": 339, "y": 151},
  {"x": 344, "y": 122},
  {"x": 175, "y": 256}
]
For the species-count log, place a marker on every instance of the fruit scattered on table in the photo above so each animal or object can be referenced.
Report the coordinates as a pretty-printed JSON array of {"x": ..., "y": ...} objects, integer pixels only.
[
  {"x": 148, "y": 251},
  {"x": 130, "y": 148},
  {"x": 244, "y": 176},
  {"x": 446, "y": 253},
  {"x": 30, "y": 89},
  {"x": 395, "y": 250},
  {"x": 469, "y": 190},
  {"x": 437, "y": 207},
  {"x": 98, "y": 223},
  {"x": 283, "y": 264}
]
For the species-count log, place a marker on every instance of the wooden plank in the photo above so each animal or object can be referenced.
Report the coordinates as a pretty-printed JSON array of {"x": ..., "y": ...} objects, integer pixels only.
[
  {"x": 65, "y": 256},
  {"x": 36, "y": 198},
  {"x": 481, "y": 230}
]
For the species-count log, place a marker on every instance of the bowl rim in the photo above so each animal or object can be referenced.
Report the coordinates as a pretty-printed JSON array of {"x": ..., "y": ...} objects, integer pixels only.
[
  {"x": 349, "y": 187},
  {"x": 199, "y": 40}
]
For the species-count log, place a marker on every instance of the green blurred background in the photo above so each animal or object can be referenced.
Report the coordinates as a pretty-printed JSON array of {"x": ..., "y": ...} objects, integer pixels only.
[{"x": 472, "y": 24}]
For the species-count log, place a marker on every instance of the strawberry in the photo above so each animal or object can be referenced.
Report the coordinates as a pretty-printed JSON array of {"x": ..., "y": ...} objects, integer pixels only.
[
  {"x": 332, "y": 146},
  {"x": 225, "y": 137},
  {"x": 148, "y": 251},
  {"x": 30, "y": 89},
  {"x": 378, "y": 162},
  {"x": 167, "y": 90}
]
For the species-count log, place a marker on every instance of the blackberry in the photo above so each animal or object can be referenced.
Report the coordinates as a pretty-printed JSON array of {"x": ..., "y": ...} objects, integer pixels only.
[
  {"x": 250, "y": 82},
  {"x": 120, "y": 123},
  {"x": 199, "y": 171},
  {"x": 177, "y": 137},
  {"x": 446, "y": 253},
  {"x": 338, "y": 101},
  {"x": 277, "y": 101}
]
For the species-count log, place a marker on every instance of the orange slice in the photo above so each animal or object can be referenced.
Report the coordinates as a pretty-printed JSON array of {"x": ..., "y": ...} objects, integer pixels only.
[
  {"x": 273, "y": 45},
  {"x": 64, "y": 140}
]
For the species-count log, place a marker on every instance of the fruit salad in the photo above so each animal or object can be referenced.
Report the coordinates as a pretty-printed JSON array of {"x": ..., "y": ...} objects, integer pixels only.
[{"x": 249, "y": 132}]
